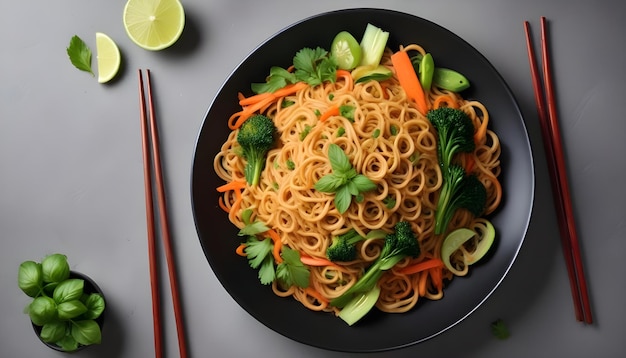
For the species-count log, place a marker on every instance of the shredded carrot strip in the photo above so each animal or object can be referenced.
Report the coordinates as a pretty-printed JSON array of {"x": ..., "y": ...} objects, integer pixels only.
[
  {"x": 259, "y": 102},
  {"x": 236, "y": 120},
  {"x": 409, "y": 81},
  {"x": 421, "y": 284},
  {"x": 289, "y": 89},
  {"x": 448, "y": 100},
  {"x": 220, "y": 202},
  {"x": 481, "y": 132},
  {"x": 278, "y": 244},
  {"x": 436, "y": 277},
  {"x": 246, "y": 101},
  {"x": 240, "y": 250},
  {"x": 421, "y": 266},
  {"x": 469, "y": 162},
  {"x": 347, "y": 76},
  {"x": 331, "y": 111},
  {"x": 316, "y": 261},
  {"x": 383, "y": 87},
  {"x": 318, "y": 296},
  {"x": 233, "y": 185}
]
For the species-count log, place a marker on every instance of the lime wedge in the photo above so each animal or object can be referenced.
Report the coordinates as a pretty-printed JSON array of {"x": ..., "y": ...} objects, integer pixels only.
[
  {"x": 154, "y": 24},
  {"x": 107, "y": 56}
]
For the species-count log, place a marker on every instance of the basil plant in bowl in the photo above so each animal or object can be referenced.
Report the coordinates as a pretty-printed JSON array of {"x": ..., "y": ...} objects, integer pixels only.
[{"x": 67, "y": 307}]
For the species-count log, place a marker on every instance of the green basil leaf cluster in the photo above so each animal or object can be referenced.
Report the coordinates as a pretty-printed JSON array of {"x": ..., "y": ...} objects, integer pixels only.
[
  {"x": 344, "y": 181},
  {"x": 60, "y": 306}
]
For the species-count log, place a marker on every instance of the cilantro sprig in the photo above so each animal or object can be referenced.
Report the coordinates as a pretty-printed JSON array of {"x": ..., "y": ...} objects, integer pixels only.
[
  {"x": 291, "y": 271},
  {"x": 311, "y": 65},
  {"x": 344, "y": 181}
]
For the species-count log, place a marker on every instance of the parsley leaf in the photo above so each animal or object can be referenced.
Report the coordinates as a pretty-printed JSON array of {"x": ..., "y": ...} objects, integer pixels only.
[
  {"x": 259, "y": 254},
  {"x": 80, "y": 54},
  {"x": 292, "y": 271},
  {"x": 314, "y": 66}
]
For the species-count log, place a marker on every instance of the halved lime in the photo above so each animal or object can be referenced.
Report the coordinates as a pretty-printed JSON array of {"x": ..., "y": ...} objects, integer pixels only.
[
  {"x": 154, "y": 24},
  {"x": 108, "y": 57}
]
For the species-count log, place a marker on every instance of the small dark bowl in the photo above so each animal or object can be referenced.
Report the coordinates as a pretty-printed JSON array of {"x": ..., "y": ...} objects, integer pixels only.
[{"x": 90, "y": 287}]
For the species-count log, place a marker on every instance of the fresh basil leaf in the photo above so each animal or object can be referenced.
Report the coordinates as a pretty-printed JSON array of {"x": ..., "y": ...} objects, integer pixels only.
[
  {"x": 80, "y": 54},
  {"x": 343, "y": 198},
  {"x": 70, "y": 309},
  {"x": 30, "y": 278},
  {"x": 329, "y": 183},
  {"x": 352, "y": 188},
  {"x": 55, "y": 268},
  {"x": 67, "y": 343},
  {"x": 339, "y": 161},
  {"x": 48, "y": 289},
  {"x": 95, "y": 306},
  {"x": 53, "y": 332},
  {"x": 42, "y": 310},
  {"x": 86, "y": 332},
  {"x": 68, "y": 290},
  {"x": 363, "y": 183}
]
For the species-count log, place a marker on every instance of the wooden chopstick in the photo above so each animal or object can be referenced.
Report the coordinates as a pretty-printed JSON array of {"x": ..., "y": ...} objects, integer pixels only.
[
  {"x": 546, "y": 108},
  {"x": 149, "y": 133}
]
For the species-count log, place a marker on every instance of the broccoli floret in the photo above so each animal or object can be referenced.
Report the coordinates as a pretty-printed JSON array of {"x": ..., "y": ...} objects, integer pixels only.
[
  {"x": 343, "y": 247},
  {"x": 397, "y": 245},
  {"x": 458, "y": 191},
  {"x": 256, "y": 138},
  {"x": 455, "y": 131}
]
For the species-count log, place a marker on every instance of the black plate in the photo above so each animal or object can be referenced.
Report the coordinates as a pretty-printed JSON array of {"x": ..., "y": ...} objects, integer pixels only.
[{"x": 377, "y": 331}]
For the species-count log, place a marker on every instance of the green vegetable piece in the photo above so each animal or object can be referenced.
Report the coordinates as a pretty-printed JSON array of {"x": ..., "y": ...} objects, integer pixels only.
[
  {"x": 80, "y": 54},
  {"x": 487, "y": 239},
  {"x": 70, "y": 309},
  {"x": 30, "y": 278},
  {"x": 346, "y": 50},
  {"x": 55, "y": 268},
  {"x": 450, "y": 80},
  {"x": 53, "y": 332},
  {"x": 42, "y": 310},
  {"x": 68, "y": 290},
  {"x": 426, "y": 71},
  {"x": 459, "y": 191},
  {"x": 277, "y": 79},
  {"x": 499, "y": 329},
  {"x": 398, "y": 245},
  {"x": 373, "y": 45},
  {"x": 359, "y": 306},
  {"x": 452, "y": 243},
  {"x": 256, "y": 138},
  {"x": 95, "y": 306},
  {"x": 292, "y": 272},
  {"x": 363, "y": 74},
  {"x": 86, "y": 332},
  {"x": 343, "y": 247},
  {"x": 455, "y": 134}
]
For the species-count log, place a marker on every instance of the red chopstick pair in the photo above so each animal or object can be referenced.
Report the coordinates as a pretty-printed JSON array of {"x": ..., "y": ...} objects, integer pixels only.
[
  {"x": 148, "y": 164},
  {"x": 556, "y": 165}
]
